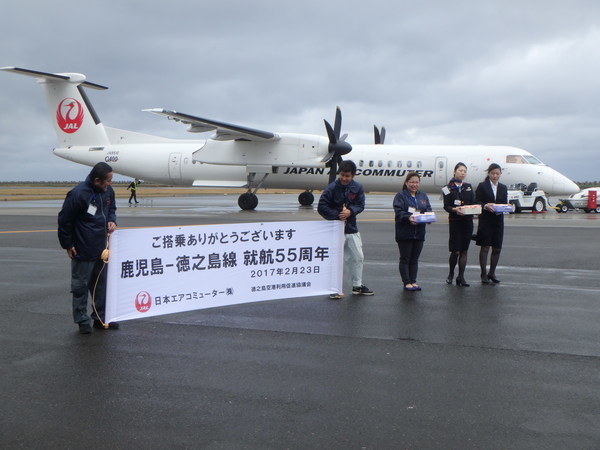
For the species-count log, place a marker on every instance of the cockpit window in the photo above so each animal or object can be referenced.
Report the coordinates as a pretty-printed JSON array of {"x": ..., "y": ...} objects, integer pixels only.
[
  {"x": 522, "y": 159},
  {"x": 532, "y": 159},
  {"x": 515, "y": 159}
]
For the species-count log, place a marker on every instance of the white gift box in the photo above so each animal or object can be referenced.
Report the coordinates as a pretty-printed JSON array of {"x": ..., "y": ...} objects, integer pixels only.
[
  {"x": 502, "y": 207},
  {"x": 427, "y": 217},
  {"x": 469, "y": 210}
]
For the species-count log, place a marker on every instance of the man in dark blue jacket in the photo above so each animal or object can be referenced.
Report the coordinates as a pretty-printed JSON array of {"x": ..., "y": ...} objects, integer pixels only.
[
  {"x": 87, "y": 217},
  {"x": 343, "y": 200}
]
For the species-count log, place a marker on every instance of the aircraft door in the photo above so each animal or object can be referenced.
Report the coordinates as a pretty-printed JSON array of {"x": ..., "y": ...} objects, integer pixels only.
[
  {"x": 441, "y": 171},
  {"x": 175, "y": 166}
]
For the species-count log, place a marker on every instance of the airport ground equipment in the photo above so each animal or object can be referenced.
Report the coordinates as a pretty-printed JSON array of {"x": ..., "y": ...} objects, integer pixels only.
[
  {"x": 586, "y": 200},
  {"x": 527, "y": 197}
]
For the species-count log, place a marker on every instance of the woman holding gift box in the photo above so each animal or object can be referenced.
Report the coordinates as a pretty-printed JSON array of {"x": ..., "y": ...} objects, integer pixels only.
[
  {"x": 458, "y": 194},
  {"x": 490, "y": 230},
  {"x": 410, "y": 235}
]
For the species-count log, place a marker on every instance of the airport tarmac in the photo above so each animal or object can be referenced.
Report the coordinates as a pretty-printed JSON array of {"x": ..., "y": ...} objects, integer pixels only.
[{"x": 514, "y": 365}]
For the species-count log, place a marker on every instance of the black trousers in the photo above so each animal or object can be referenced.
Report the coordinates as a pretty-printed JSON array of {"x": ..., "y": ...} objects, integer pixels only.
[{"x": 410, "y": 250}]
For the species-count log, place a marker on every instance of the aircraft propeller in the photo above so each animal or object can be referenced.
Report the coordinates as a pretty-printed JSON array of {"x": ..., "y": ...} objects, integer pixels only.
[
  {"x": 337, "y": 145},
  {"x": 379, "y": 137}
]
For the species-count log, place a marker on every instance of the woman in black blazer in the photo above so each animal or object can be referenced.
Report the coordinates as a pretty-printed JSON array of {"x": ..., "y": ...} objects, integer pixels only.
[
  {"x": 457, "y": 194},
  {"x": 490, "y": 230}
]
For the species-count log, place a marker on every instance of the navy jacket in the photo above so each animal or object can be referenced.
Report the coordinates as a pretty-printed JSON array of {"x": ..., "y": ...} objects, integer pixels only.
[
  {"x": 404, "y": 229},
  {"x": 458, "y": 196},
  {"x": 83, "y": 219},
  {"x": 335, "y": 196}
]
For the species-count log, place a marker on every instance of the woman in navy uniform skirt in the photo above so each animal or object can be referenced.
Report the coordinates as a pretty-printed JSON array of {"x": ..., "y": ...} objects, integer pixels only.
[
  {"x": 490, "y": 230},
  {"x": 457, "y": 194}
]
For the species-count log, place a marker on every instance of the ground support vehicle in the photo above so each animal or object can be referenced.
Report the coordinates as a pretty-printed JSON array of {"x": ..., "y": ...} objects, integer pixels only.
[
  {"x": 524, "y": 197},
  {"x": 581, "y": 200}
]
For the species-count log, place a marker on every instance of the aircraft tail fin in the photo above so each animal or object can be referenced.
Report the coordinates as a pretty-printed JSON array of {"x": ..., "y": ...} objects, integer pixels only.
[{"x": 74, "y": 118}]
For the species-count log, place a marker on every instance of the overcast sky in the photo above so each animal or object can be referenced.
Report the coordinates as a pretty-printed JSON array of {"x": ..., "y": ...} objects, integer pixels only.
[{"x": 522, "y": 73}]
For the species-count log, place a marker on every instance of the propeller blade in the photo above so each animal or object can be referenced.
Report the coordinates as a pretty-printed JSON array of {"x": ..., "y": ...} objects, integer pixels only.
[
  {"x": 343, "y": 137},
  {"x": 379, "y": 137},
  {"x": 330, "y": 133},
  {"x": 333, "y": 172},
  {"x": 328, "y": 157},
  {"x": 337, "y": 125}
]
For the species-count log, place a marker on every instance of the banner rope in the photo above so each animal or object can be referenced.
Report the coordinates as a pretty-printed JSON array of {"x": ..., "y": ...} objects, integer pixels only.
[{"x": 104, "y": 257}]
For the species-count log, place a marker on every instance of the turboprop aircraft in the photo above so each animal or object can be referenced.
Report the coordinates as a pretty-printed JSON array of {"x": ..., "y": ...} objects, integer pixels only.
[{"x": 240, "y": 157}]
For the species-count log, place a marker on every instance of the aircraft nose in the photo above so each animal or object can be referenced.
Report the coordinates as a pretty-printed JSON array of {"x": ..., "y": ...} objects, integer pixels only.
[{"x": 563, "y": 186}]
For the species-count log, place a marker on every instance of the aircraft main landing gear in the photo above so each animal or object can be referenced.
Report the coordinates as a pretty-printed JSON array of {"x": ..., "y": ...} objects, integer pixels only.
[
  {"x": 248, "y": 201},
  {"x": 306, "y": 198}
]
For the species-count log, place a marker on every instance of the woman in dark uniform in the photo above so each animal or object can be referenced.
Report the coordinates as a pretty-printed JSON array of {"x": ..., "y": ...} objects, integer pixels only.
[
  {"x": 457, "y": 194},
  {"x": 490, "y": 230}
]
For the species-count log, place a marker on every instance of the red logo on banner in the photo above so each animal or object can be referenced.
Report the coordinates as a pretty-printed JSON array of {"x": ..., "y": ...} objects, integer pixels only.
[
  {"x": 69, "y": 115},
  {"x": 143, "y": 301}
]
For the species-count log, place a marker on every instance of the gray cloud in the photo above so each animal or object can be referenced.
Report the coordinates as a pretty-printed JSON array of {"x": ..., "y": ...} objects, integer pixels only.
[{"x": 471, "y": 72}]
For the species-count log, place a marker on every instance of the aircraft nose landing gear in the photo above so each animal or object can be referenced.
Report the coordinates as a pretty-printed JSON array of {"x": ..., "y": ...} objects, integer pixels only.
[{"x": 248, "y": 201}]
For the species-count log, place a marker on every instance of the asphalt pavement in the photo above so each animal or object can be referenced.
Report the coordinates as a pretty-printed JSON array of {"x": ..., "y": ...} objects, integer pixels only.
[{"x": 514, "y": 365}]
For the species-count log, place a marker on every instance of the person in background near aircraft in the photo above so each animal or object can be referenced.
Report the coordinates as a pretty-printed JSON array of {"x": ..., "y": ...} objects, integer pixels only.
[
  {"x": 87, "y": 216},
  {"x": 490, "y": 229},
  {"x": 410, "y": 235},
  {"x": 343, "y": 200},
  {"x": 457, "y": 194},
  {"x": 133, "y": 186}
]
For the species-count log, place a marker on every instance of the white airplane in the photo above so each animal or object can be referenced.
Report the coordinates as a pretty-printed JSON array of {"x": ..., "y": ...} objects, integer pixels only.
[{"x": 236, "y": 156}]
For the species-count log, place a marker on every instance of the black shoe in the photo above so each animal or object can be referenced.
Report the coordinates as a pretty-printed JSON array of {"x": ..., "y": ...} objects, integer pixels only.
[
  {"x": 493, "y": 278},
  {"x": 361, "y": 290},
  {"x": 110, "y": 326},
  {"x": 85, "y": 328},
  {"x": 460, "y": 282},
  {"x": 449, "y": 279},
  {"x": 484, "y": 279}
]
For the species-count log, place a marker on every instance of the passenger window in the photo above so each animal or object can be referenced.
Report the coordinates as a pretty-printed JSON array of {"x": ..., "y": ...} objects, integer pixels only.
[
  {"x": 399, "y": 164},
  {"x": 419, "y": 164},
  {"x": 380, "y": 163},
  {"x": 361, "y": 163},
  {"x": 409, "y": 164},
  {"x": 371, "y": 163},
  {"x": 390, "y": 164}
]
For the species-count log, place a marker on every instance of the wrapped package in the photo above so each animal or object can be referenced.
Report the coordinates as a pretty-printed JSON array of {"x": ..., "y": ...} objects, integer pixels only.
[
  {"x": 427, "y": 217},
  {"x": 502, "y": 207},
  {"x": 469, "y": 210}
]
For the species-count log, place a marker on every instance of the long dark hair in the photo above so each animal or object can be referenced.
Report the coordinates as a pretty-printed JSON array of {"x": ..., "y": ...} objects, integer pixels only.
[
  {"x": 409, "y": 175},
  {"x": 493, "y": 166}
]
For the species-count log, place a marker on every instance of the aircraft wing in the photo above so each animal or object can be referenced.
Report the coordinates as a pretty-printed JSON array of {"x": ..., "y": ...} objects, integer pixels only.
[{"x": 224, "y": 131}]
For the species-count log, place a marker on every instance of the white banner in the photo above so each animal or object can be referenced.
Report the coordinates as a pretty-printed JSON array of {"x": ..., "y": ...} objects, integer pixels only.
[{"x": 155, "y": 271}]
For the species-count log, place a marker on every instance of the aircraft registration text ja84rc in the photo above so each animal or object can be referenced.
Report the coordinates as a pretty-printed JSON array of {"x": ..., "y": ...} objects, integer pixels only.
[{"x": 240, "y": 157}]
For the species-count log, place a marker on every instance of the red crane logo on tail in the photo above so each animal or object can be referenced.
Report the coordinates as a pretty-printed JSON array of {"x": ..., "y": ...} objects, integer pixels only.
[{"x": 69, "y": 115}]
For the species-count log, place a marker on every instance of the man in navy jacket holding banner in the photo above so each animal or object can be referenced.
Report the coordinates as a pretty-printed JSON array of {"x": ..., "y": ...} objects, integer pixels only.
[
  {"x": 343, "y": 200},
  {"x": 86, "y": 219}
]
